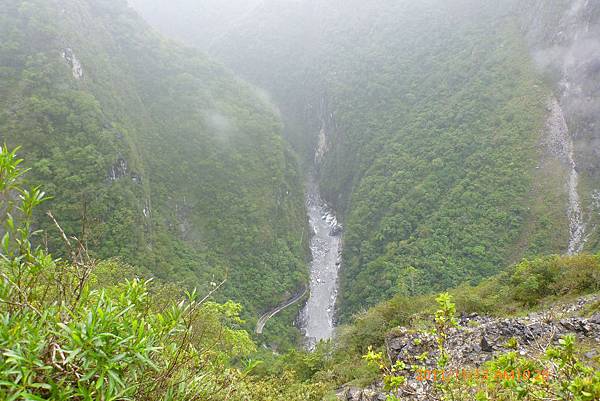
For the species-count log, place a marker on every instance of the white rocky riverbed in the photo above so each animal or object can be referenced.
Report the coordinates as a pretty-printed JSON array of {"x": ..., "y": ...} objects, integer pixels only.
[{"x": 317, "y": 317}]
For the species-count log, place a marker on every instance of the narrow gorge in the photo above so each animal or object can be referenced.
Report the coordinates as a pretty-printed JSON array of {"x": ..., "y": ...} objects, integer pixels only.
[{"x": 300, "y": 200}]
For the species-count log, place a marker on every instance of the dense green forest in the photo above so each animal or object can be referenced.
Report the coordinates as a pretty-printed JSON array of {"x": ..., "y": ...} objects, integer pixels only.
[
  {"x": 152, "y": 153},
  {"x": 81, "y": 328},
  {"x": 152, "y": 200},
  {"x": 78, "y": 328},
  {"x": 440, "y": 191},
  {"x": 430, "y": 117}
]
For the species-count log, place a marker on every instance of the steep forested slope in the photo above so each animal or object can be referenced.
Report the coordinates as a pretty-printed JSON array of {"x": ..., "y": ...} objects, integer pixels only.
[
  {"x": 428, "y": 119},
  {"x": 433, "y": 158},
  {"x": 153, "y": 153}
]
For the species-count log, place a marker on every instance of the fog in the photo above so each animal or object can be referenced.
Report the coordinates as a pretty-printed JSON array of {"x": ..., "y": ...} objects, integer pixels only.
[
  {"x": 569, "y": 53},
  {"x": 317, "y": 170},
  {"x": 279, "y": 36},
  {"x": 196, "y": 22},
  {"x": 297, "y": 51}
]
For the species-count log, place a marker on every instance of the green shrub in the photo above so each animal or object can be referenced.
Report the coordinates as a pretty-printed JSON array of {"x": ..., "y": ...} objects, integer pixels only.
[
  {"x": 80, "y": 329},
  {"x": 548, "y": 276},
  {"x": 556, "y": 375}
]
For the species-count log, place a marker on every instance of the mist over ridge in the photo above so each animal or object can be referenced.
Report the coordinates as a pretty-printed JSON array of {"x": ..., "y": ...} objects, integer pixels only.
[{"x": 306, "y": 200}]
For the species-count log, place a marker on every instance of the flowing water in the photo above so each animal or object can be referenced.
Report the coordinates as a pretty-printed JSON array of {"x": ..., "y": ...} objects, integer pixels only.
[
  {"x": 562, "y": 146},
  {"x": 317, "y": 317}
]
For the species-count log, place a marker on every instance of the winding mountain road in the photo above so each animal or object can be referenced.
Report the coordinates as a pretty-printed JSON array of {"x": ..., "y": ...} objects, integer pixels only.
[{"x": 260, "y": 325}]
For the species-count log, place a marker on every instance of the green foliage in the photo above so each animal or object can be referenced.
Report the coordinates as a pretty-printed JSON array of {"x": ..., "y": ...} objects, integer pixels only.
[
  {"x": 559, "y": 374},
  {"x": 495, "y": 296},
  {"x": 392, "y": 378},
  {"x": 78, "y": 329},
  {"x": 430, "y": 113},
  {"x": 553, "y": 275},
  {"x": 62, "y": 340},
  {"x": 443, "y": 133},
  {"x": 512, "y": 343},
  {"x": 558, "y": 277},
  {"x": 156, "y": 155},
  {"x": 444, "y": 320}
]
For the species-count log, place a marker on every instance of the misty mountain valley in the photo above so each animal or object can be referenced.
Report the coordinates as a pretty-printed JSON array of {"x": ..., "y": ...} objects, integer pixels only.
[{"x": 299, "y": 200}]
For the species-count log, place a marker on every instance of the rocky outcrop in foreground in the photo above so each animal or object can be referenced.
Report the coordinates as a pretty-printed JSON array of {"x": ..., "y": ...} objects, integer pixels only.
[{"x": 477, "y": 340}]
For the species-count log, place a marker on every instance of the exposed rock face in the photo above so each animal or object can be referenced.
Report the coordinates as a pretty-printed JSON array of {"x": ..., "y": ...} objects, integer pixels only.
[
  {"x": 328, "y": 127},
  {"x": 75, "y": 64},
  {"x": 477, "y": 340},
  {"x": 147, "y": 210},
  {"x": 118, "y": 170},
  {"x": 564, "y": 38},
  {"x": 560, "y": 143},
  {"x": 183, "y": 213},
  {"x": 322, "y": 147},
  {"x": 356, "y": 394}
]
